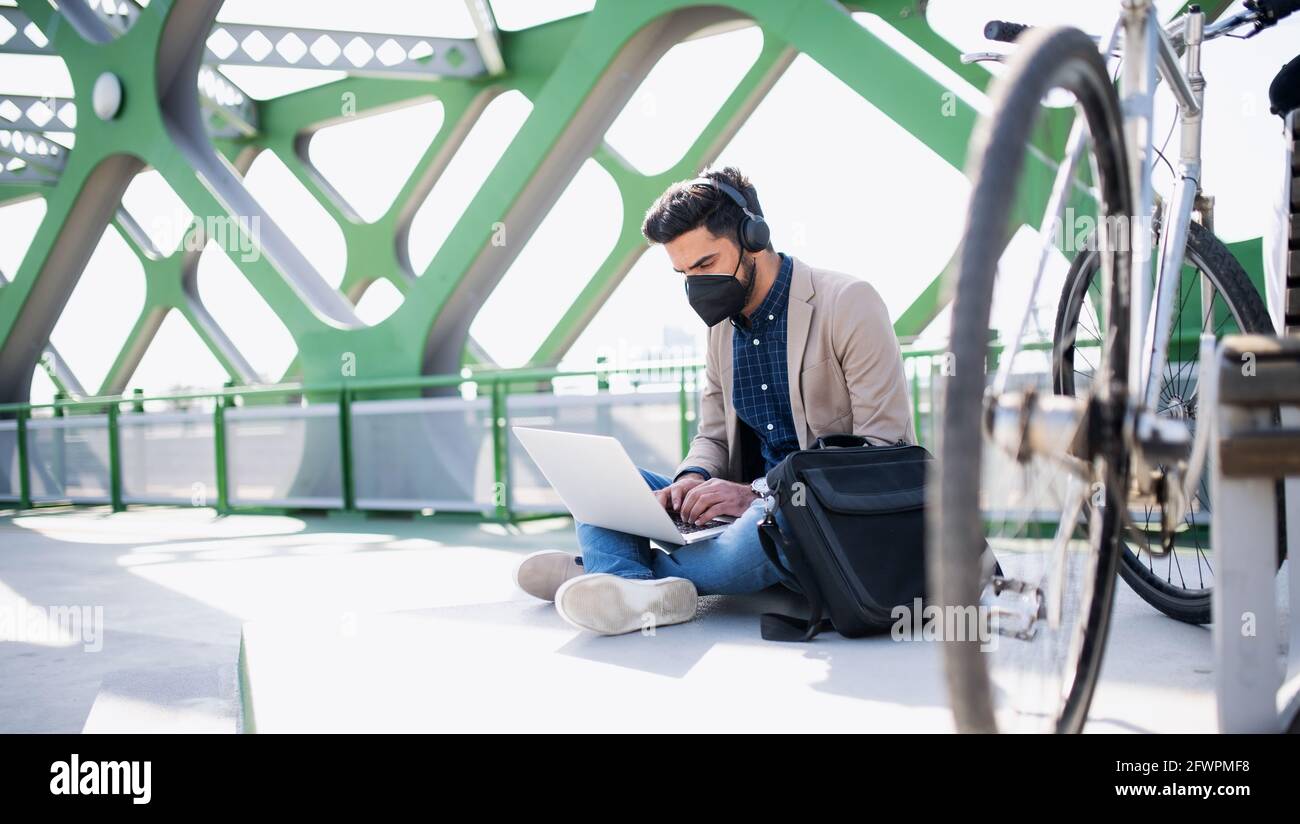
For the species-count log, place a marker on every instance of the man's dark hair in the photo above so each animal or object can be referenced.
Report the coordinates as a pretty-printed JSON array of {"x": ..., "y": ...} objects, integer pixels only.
[{"x": 685, "y": 207}]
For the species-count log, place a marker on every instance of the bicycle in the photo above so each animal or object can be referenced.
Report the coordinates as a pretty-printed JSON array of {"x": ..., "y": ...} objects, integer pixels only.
[{"x": 1073, "y": 484}]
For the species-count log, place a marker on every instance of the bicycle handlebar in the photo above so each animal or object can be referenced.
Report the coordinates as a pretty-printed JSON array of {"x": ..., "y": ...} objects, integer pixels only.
[
  {"x": 1005, "y": 32},
  {"x": 1261, "y": 14},
  {"x": 1271, "y": 11}
]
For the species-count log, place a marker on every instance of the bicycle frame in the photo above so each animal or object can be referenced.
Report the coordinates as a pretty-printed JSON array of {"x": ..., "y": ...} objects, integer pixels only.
[
  {"x": 1148, "y": 51},
  {"x": 1150, "y": 54}
]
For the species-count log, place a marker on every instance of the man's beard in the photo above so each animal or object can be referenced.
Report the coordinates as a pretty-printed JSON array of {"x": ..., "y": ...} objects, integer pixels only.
[{"x": 751, "y": 270}]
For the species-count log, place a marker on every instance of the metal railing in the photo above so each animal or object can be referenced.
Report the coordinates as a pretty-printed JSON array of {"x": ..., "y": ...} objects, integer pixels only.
[
  {"x": 118, "y": 412},
  {"x": 495, "y": 385}
]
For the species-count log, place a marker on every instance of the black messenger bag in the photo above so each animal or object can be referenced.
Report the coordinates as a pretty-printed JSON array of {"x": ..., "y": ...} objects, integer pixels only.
[{"x": 856, "y": 539}]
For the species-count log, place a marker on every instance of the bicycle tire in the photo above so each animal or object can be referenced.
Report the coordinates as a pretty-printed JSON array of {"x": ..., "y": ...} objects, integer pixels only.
[{"x": 1051, "y": 58}]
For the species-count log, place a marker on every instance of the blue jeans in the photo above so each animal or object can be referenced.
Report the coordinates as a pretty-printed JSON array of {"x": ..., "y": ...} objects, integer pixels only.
[{"x": 730, "y": 564}]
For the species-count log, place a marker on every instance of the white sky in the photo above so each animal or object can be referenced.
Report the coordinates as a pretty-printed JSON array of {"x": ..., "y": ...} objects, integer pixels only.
[{"x": 843, "y": 187}]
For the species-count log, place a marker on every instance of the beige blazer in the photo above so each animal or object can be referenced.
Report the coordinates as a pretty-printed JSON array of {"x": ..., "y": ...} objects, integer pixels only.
[{"x": 844, "y": 366}]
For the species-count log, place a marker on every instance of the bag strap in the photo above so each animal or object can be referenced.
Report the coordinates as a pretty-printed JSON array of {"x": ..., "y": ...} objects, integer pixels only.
[
  {"x": 841, "y": 439},
  {"x": 774, "y": 626},
  {"x": 777, "y": 627}
]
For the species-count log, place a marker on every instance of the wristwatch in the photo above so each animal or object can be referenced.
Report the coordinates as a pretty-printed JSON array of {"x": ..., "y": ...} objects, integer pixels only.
[{"x": 761, "y": 490}]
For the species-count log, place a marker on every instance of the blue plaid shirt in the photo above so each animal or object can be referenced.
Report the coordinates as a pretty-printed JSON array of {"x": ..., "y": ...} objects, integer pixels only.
[{"x": 760, "y": 388}]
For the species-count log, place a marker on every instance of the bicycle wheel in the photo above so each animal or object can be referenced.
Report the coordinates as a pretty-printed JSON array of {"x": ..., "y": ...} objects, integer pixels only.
[
  {"x": 1179, "y": 583},
  {"x": 1053, "y": 527}
]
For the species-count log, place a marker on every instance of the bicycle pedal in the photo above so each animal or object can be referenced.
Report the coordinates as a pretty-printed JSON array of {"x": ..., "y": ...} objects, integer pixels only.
[{"x": 1015, "y": 607}]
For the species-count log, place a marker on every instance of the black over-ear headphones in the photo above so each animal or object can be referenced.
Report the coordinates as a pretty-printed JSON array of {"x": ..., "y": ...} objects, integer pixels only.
[{"x": 753, "y": 232}]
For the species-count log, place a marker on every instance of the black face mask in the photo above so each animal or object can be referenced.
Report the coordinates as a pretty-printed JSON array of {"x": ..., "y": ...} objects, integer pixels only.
[{"x": 718, "y": 297}]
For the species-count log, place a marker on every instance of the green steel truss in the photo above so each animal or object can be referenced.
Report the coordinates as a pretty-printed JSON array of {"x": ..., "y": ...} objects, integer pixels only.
[{"x": 577, "y": 72}]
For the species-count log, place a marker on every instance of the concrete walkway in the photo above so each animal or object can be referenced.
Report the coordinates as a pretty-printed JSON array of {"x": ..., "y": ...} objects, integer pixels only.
[{"x": 378, "y": 624}]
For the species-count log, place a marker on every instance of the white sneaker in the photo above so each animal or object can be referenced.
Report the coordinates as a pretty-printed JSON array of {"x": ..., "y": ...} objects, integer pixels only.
[
  {"x": 611, "y": 605},
  {"x": 541, "y": 573}
]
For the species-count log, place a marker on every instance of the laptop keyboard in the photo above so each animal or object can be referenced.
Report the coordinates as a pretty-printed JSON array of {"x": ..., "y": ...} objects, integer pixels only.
[{"x": 687, "y": 528}]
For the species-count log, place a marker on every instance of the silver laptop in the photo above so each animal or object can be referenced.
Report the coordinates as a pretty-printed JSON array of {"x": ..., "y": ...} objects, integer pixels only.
[{"x": 600, "y": 485}]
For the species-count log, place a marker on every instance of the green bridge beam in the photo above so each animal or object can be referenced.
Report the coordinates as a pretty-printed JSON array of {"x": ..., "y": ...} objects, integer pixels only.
[{"x": 578, "y": 73}]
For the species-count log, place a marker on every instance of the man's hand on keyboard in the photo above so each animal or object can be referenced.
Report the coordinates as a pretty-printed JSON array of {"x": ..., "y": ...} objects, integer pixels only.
[
  {"x": 715, "y": 497},
  {"x": 671, "y": 496}
]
